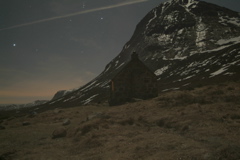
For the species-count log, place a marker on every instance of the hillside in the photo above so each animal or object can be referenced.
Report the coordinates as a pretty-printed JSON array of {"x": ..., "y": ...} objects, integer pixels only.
[{"x": 200, "y": 123}]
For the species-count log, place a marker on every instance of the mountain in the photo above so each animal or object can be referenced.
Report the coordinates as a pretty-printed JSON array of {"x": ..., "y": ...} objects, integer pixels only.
[
  {"x": 186, "y": 43},
  {"x": 20, "y": 106}
]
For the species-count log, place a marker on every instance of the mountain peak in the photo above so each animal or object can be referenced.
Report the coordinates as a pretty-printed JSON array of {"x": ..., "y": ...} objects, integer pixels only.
[{"x": 183, "y": 2}]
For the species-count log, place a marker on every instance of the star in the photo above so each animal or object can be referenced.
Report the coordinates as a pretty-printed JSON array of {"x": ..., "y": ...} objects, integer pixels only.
[
  {"x": 14, "y": 44},
  {"x": 101, "y": 18}
]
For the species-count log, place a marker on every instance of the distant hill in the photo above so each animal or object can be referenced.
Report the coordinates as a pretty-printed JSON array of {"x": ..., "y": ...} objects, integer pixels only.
[{"x": 21, "y": 106}]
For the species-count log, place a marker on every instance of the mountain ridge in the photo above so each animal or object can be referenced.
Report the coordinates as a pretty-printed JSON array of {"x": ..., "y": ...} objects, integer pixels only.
[{"x": 6, "y": 107}]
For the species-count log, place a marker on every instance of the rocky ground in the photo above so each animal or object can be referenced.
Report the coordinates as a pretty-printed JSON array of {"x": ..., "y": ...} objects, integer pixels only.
[{"x": 195, "y": 124}]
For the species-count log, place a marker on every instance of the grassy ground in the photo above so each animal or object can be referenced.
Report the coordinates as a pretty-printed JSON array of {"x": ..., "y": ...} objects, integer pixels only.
[{"x": 203, "y": 123}]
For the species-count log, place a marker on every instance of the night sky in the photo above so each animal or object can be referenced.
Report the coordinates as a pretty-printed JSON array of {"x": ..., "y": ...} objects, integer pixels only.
[{"x": 51, "y": 45}]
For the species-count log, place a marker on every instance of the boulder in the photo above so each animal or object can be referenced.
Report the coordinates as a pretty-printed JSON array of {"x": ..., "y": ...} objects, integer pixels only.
[
  {"x": 59, "y": 133},
  {"x": 57, "y": 110},
  {"x": 66, "y": 122},
  {"x": 94, "y": 115},
  {"x": 26, "y": 123}
]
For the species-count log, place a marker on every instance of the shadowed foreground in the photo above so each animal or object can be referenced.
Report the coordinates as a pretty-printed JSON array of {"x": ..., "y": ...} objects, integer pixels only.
[{"x": 193, "y": 124}]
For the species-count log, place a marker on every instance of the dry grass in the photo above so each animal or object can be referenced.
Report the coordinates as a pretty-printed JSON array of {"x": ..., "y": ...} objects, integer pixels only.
[{"x": 194, "y": 124}]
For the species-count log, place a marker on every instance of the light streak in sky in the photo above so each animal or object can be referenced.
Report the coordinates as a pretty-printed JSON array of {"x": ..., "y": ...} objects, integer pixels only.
[{"x": 76, "y": 13}]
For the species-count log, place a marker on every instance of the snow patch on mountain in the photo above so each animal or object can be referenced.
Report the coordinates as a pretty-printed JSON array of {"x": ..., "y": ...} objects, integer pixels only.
[
  {"x": 171, "y": 18},
  {"x": 188, "y": 77},
  {"x": 201, "y": 33},
  {"x": 160, "y": 71},
  {"x": 72, "y": 97},
  {"x": 227, "y": 41},
  {"x": 221, "y": 70},
  {"x": 89, "y": 99},
  {"x": 125, "y": 47},
  {"x": 116, "y": 63},
  {"x": 89, "y": 86},
  {"x": 225, "y": 20},
  {"x": 105, "y": 84},
  {"x": 155, "y": 16},
  {"x": 188, "y": 4},
  {"x": 108, "y": 67},
  {"x": 163, "y": 38},
  {"x": 178, "y": 57},
  {"x": 170, "y": 89},
  {"x": 120, "y": 65},
  {"x": 224, "y": 68},
  {"x": 56, "y": 100}
]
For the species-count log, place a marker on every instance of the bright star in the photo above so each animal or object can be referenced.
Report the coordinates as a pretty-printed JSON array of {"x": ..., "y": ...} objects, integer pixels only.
[{"x": 14, "y": 44}]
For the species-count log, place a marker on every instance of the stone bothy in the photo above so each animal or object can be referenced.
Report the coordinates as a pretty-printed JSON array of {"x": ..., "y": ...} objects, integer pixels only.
[{"x": 135, "y": 80}]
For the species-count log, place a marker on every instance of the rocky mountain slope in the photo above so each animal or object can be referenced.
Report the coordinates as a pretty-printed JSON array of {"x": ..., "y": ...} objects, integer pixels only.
[{"x": 186, "y": 43}]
